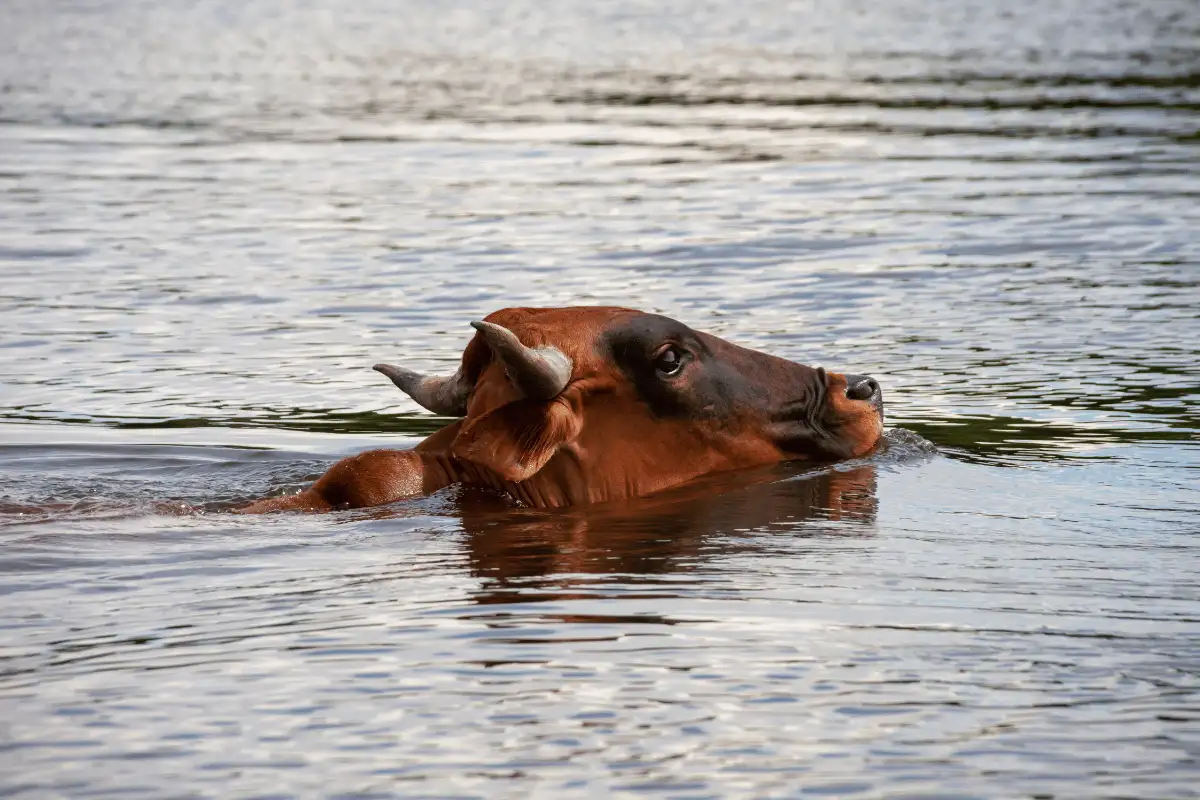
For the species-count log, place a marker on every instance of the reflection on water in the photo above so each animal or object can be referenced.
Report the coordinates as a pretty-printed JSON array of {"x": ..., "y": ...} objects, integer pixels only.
[
  {"x": 215, "y": 217},
  {"x": 514, "y": 552}
]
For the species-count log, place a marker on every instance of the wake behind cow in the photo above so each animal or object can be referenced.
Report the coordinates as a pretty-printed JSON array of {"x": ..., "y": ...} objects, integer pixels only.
[{"x": 568, "y": 406}]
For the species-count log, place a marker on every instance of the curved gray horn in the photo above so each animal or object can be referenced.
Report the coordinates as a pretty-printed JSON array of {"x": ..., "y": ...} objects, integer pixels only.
[
  {"x": 539, "y": 372},
  {"x": 441, "y": 395}
]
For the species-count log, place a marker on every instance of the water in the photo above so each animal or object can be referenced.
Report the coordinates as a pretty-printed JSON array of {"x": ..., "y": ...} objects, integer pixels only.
[{"x": 215, "y": 216}]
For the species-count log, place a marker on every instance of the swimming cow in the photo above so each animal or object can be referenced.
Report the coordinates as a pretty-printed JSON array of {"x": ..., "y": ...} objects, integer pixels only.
[{"x": 567, "y": 406}]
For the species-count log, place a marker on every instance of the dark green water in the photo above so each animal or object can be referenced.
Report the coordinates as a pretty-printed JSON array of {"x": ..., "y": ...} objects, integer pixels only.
[{"x": 215, "y": 216}]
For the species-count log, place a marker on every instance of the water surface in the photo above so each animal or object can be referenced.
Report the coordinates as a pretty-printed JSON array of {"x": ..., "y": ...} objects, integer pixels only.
[{"x": 215, "y": 216}]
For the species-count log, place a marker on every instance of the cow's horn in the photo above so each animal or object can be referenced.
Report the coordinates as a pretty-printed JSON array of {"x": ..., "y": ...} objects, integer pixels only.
[
  {"x": 539, "y": 372},
  {"x": 441, "y": 395}
]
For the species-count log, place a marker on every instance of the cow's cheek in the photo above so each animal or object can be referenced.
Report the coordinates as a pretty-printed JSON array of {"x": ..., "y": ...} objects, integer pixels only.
[{"x": 863, "y": 431}]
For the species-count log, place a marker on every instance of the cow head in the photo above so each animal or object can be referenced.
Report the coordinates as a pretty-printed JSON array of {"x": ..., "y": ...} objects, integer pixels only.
[{"x": 563, "y": 406}]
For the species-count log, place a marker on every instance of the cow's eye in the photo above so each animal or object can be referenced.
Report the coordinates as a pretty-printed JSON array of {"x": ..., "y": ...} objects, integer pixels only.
[{"x": 669, "y": 361}]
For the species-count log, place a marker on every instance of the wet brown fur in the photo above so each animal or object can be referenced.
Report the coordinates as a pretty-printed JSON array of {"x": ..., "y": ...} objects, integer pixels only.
[{"x": 597, "y": 441}]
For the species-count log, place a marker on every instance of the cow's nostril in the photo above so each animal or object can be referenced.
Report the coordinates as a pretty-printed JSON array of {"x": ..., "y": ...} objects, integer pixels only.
[{"x": 859, "y": 387}]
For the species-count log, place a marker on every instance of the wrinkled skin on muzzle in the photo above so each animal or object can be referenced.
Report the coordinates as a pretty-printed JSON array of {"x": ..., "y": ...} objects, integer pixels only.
[{"x": 569, "y": 406}]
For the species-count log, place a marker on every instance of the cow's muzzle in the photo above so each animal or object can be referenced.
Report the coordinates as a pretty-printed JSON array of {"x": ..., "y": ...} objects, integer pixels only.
[{"x": 864, "y": 387}]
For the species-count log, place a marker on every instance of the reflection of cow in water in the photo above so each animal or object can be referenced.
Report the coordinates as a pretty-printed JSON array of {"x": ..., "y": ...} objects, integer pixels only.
[
  {"x": 570, "y": 406},
  {"x": 512, "y": 549}
]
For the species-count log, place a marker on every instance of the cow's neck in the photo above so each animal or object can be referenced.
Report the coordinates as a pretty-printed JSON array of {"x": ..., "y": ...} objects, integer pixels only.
[{"x": 549, "y": 488}]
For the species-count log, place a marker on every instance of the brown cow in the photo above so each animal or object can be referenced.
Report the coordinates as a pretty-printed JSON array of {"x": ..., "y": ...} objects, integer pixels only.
[{"x": 566, "y": 406}]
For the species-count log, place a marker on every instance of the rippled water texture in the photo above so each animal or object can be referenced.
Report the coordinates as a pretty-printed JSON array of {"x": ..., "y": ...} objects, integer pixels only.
[{"x": 214, "y": 216}]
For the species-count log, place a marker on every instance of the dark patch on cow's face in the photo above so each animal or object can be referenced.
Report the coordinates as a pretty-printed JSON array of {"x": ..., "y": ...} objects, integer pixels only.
[{"x": 673, "y": 368}]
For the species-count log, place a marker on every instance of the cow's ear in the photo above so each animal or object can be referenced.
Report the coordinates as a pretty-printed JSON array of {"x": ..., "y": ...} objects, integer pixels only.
[{"x": 517, "y": 439}]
